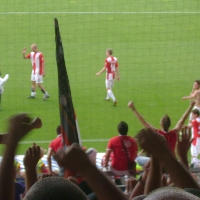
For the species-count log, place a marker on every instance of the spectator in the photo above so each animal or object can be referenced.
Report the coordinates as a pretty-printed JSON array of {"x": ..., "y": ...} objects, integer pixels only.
[
  {"x": 53, "y": 148},
  {"x": 119, "y": 147},
  {"x": 165, "y": 122},
  {"x": 54, "y": 188}
]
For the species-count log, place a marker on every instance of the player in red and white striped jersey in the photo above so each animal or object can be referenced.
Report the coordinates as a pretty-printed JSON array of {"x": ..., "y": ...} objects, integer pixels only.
[
  {"x": 195, "y": 145},
  {"x": 112, "y": 72},
  {"x": 37, "y": 62}
]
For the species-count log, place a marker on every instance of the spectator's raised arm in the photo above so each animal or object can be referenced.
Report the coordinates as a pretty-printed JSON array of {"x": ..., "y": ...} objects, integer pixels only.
[
  {"x": 183, "y": 145},
  {"x": 19, "y": 126},
  {"x": 31, "y": 159},
  {"x": 140, "y": 117}
]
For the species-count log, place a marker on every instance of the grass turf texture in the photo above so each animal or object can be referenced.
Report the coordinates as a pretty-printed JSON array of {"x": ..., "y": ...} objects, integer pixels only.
[{"x": 158, "y": 55}]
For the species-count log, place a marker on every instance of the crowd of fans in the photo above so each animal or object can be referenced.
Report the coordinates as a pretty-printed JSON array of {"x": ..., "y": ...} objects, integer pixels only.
[{"x": 165, "y": 172}]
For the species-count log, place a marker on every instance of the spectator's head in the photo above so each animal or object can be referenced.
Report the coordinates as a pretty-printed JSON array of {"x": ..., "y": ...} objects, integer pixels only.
[
  {"x": 196, "y": 84},
  {"x": 109, "y": 52},
  {"x": 58, "y": 130},
  {"x": 195, "y": 113},
  {"x": 54, "y": 188},
  {"x": 170, "y": 193},
  {"x": 123, "y": 128},
  {"x": 165, "y": 123},
  {"x": 42, "y": 152}
]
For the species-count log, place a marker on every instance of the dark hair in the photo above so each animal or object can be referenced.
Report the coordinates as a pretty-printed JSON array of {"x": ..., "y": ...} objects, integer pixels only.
[
  {"x": 165, "y": 123},
  {"x": 197, "y": 81},
  {"x": 123, "y": 128},
  {"x": 54, "y": 188},
  {"x": 195, "y": 111},
  {"x": 110, "y": 51},
  {"x": 58, "y": 130}
]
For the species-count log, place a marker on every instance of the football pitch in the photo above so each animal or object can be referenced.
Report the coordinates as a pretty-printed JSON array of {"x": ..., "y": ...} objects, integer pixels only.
[{"x": 157, "y": 44}]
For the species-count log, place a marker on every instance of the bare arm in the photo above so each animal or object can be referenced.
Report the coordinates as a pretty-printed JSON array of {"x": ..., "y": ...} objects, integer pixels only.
[
  {"x": 43, "y": 64},
  {"x": 192, "y": 95},
  {"x": 107, "y": 156},
  {"x": 50, "y": 151},
  {"x": 31, "y": 159},
  {"x": 183, "y": 145},
  {"x": 154, "y": 176},
  {"x": 102, "y": 70},
  {"x": 24, "y": 53},
  {"x": 181, "y": 122},
  {"x": 139, "y": 117},
  {"x": 90, "y": 173},
  {"x": 139, "y": 188}
]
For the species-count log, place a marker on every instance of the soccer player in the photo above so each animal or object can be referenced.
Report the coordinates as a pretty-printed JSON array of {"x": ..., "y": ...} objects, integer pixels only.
[
  {"x": 112, "y": 72},
  {"x": 37, "y": 61},
  {"x": 195, "y": 145},
  {"x": 2, "y": 82},
  {"x": 195, "y": 94}
]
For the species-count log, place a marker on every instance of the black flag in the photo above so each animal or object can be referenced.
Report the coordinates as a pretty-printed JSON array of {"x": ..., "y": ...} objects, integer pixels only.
[{"x": 68, "y": 123}]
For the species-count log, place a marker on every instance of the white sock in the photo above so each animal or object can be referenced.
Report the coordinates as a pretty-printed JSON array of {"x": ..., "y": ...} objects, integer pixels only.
[
  {"x": 107, "y": 97},
  {"x": 33, "y": 94},
  {"x": 46, "y": 93},
  {"x": 111, "y": 95}
]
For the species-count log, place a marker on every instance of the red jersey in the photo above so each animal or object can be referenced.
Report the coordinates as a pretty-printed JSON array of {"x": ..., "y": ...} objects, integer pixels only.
[
  {"x": 111, "y": 64},
  {"x": 56, "y": 143},
  {"x": 171, "y": 138},
  {"x": 37, "y": 61},
  {"x": 196, "y": 130},
  {"x": 118, "y": 156}
]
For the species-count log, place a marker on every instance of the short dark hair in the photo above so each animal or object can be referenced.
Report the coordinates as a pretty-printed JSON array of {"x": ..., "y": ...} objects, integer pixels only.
[
  {"x": 195, "y": 111},
  {"x": 166, "y": 122},
  {"x": 55, "y": 188},
  {"x": 197, "y": 81},
  {"x": 58, "y": 130},
  {"x": 110, "y": 51},
  {"x": 123, "y": 128}
]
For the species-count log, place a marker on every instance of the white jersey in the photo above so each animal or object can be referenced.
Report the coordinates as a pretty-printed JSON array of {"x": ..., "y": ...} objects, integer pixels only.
[{"x": 2, "y": 82}]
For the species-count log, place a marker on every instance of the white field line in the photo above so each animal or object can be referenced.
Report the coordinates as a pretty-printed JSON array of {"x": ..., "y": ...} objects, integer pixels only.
[
  {"x": 48, "y": 141},
  {"x": 93, "y": 13}
]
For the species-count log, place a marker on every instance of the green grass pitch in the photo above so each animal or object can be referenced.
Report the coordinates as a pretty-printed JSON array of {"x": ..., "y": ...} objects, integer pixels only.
[{"x": 156, "y": 43}]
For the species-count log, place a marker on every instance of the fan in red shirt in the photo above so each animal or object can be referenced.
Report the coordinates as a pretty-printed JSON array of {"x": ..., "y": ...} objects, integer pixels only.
[
  {"x": 165, "y": 122},
  {"x": 116, "y": 150},
  {"x": 54, "y": 146}
]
